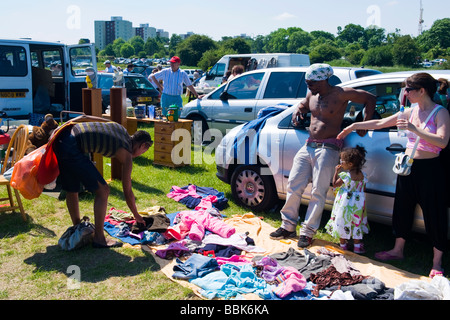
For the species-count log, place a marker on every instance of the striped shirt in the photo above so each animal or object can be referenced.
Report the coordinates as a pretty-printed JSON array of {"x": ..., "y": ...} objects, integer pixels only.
[
  {"x": 104, "y": 138},
  {"x": 173, "y": 81}
]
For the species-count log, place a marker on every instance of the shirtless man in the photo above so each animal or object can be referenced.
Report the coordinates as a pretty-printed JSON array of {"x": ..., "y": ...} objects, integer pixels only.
[{"x": 316, "y": 160}]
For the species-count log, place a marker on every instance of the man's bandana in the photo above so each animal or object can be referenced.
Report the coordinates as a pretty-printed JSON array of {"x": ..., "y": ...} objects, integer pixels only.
[{"x": 319, "y": 72}]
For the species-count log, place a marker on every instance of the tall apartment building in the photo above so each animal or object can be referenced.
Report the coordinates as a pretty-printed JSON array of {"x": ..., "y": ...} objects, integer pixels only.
[
  {"x": 108, "y": 31},
  {"x": 145, "y": 31}
]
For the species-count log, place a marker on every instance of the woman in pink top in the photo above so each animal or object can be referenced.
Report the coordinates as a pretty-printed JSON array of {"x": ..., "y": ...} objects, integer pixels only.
[{"x": 426, "y": 184}]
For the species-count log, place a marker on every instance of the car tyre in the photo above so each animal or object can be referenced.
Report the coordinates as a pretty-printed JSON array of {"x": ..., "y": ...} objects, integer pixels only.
[{"x": 253, "y": 190}]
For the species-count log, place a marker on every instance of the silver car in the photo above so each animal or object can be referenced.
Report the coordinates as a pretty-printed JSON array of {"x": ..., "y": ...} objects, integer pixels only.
[
  {"x": 258, "y": 169},
  {"x": 240, "y": 100}
]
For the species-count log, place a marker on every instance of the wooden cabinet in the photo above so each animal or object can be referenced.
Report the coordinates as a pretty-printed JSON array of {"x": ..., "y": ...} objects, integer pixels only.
[{"x": 172, "y": 145}]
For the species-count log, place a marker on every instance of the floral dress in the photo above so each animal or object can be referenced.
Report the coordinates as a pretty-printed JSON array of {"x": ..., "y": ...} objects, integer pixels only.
[{"x": 349, "y": 217}]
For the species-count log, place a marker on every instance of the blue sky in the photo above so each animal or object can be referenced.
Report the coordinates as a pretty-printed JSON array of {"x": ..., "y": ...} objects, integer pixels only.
[{"x": 68, "y": 21}]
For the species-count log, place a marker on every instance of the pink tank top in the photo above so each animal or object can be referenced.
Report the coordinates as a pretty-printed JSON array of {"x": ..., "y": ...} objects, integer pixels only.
[{"x": 430, "y": 127}]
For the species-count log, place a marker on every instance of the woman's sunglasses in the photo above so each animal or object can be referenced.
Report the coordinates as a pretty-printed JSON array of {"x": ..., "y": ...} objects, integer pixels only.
[{"x": 410, "y": 89}]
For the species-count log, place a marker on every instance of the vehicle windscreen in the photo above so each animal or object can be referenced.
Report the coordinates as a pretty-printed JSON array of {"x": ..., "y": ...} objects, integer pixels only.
[
  {"x": 365, "y": 73},
  {"x": 138, "y": 83}
]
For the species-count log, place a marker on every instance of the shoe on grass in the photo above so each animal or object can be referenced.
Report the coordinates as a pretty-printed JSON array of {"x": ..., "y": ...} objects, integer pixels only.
[
  {"x": 304, "y": 241},
  {"x": 282, "y": 233}
]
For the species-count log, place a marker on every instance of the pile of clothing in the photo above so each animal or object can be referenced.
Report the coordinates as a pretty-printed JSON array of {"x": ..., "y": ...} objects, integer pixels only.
[
  {"x": 198, "y": 198},
  {"x": 289, "y": 275}
]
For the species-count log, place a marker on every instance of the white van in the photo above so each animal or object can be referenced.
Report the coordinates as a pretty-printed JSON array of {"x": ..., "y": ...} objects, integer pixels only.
[
  {"x": 213, "y": 78},
  {"x": 41, "y": 77}
]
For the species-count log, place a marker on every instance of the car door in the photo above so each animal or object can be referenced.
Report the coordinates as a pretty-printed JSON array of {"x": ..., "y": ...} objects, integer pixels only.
[
  {"x": 79, "y": 57},
  {"x": 381, "y": 146},
  {"x": 16, "y": 91},
  {"x": 240, "y": 105}
]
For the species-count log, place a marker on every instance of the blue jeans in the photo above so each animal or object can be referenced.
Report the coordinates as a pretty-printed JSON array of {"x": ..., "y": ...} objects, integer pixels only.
[
  {"x": 167, "y": 100},
  {"x": 310, "y": 164}
]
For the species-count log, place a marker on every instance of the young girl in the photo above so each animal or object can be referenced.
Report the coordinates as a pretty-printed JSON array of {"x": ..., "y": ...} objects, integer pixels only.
[{"x": 349, "y": 217}]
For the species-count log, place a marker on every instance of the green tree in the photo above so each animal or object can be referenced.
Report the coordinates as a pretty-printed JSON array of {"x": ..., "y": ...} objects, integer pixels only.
[
  {"x": 238, "y": 45},
  {"x": 322, "y": 34},
  {"x": 324, "y": 52},
  {"x": 152, "y": 46},
  {"x": 378, "y": 56},
  {"x": 351, "y": 33},
  {"x": 405, "y": 51},
  {"x": 108, "y": 51},
  {"x": 438, "y": 35},
  {"x": 138, "y": 44},
  {"x": 375, "y": 36},
  {"x": 298, "y": 41},
  {"x": 126, "y": 50},
  {"x": 191, "y": 50},
  {"x": 117, "y": 45},
  {"x": 174, "y": 41},
  {"x": 210, "y": 57}
]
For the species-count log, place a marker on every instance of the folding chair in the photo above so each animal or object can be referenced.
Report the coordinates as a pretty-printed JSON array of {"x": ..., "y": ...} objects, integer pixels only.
[{"x": 15, "y": 152}]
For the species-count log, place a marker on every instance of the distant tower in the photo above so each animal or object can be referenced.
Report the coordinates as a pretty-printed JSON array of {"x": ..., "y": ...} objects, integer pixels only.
[{"x": 421, "y": 18}]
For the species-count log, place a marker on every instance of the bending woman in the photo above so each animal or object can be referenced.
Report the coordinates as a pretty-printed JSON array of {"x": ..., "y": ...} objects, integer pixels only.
[{"x": 425, "y": 185}]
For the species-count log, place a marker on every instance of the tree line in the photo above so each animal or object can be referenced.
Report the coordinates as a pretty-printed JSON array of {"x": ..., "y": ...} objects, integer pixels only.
[{"x": 353, "y": 44}]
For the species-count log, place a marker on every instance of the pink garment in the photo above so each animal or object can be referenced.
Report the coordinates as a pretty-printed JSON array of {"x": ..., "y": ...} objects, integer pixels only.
[
  {"x": 178, "y": 193},
  {"x": 290, "y": 281},
  {"x": 116, "y": 222},
  {"x": 430, "y": 127},
  {"x": 199, "y": 221},
  {"x": 178, "y": 231},
  {"x": 234, "y": 259},
  {"x": 206, "y": 203}
]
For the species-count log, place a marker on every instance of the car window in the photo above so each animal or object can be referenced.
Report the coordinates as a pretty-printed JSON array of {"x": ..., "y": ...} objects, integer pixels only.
[
  {"x": 218, "y": 70},
  {"x": 105, "y": 82},
  {"x": 80, "y": 59},
  {"x": 245, "y": 86},
  {"x": 387, "y": 98},
  {"x": 365, "y": 73},
  {"x": 13, "y": 61},
  {"x": 286, "y": 85},
  {"x": 141, "y": 83},
  {"x": 334, "y": 80},
  {"x": 216, "y": 94},
  {"x": 52, "y": 61}
]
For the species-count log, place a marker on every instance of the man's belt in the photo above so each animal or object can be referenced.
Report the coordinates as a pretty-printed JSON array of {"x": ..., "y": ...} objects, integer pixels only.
[{"x": 323, "y": 145}]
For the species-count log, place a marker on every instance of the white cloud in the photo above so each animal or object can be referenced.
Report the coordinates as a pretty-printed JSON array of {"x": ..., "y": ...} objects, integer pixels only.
[{"x": 284, "y": 16}]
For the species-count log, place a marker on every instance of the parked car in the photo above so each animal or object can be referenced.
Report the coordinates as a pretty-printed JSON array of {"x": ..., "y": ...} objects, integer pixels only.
[
  {"x": 190, "y": 73},
  {"x": 258, "y": 172},
  {"x": 139, "y": 89},
  {"x": 240, "y": 100}
]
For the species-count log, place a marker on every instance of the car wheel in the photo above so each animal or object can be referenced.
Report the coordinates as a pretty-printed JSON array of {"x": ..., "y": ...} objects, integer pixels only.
[{"x": 253, "y": 190}]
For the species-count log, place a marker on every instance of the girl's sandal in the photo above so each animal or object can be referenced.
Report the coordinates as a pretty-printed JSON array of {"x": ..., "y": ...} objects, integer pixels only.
[{"x": 435, "y": 272}]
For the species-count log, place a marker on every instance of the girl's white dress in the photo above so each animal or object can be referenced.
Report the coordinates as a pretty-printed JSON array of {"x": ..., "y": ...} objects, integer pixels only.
[{"x": 349, "y": 216}]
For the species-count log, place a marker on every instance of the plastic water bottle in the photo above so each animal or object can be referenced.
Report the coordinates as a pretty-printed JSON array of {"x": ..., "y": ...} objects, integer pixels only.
[{"x": 401, "y": 115}]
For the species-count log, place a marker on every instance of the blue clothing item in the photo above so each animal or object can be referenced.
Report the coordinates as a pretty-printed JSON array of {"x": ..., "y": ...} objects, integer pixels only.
[
  {"x": 247, "y": 139},
  {"x": 195, "y": 266},
  {"x": 167, "y": 100},
  {"x": 232, "y": 281}
]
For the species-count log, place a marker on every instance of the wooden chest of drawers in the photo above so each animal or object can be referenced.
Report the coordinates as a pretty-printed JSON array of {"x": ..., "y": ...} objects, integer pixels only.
[{"x": 172, "y": 147}]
